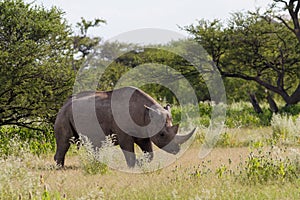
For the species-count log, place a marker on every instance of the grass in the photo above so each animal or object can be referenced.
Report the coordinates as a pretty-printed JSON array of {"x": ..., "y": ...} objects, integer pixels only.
[
  {"x": 255, "y": 157},
  {"x": 226, "y": 173},
  {"x": 285, "y": 129},
  {"x": 188, "y": 178}
]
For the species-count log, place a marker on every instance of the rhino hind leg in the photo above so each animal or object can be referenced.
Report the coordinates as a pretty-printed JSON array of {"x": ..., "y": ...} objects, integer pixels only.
[
  {"x": 61, "y": 149},
  {"x": 63, "y": 141}
]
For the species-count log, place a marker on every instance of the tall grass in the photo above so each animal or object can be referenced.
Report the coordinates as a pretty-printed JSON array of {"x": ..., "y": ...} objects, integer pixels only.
[
  {"x": 90, "y": 159},
  {"x": 23, "y": 175},
  {"x": 16, "y": 179},
  {"x": 286, "y": 129},
  {"x": 259, "y": 175}
]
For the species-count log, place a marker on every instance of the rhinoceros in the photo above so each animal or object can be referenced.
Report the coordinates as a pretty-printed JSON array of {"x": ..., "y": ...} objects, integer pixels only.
[{"x": 146, "y": 122}]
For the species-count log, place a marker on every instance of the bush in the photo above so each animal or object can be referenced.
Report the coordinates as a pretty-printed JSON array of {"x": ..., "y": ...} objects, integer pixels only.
[
  {"x": 265, "y": 166},
  {"x": 90, "y": 161},
  {"x": 285, "y": 129},
  {"x": 242, "y": 114},
  {"x": 38, "y": 141},
  {"x": 291, "y": 110}
]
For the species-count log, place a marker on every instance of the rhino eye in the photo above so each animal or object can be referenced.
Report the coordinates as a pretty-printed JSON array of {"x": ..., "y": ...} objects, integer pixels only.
[{"x": 162, "y": 134}]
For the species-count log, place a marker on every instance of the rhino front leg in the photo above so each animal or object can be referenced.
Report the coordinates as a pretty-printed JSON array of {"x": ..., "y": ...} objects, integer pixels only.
[
  {"x": 146, "y": 146},
  {"x": 127, "y": 147}
]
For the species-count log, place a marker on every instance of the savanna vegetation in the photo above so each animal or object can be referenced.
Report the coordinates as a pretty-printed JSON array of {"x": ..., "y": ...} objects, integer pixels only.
[{"x": 257, "y": 155}]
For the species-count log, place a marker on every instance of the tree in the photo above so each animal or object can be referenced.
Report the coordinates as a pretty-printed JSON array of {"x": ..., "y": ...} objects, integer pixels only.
[
  {"x": 254, "y": 47},
  {"x": 293, "y": 7},
  {"x": 35, "y": 57},
  {"x": 82, "y": 43},
  {"x": 160, "y": 55}
]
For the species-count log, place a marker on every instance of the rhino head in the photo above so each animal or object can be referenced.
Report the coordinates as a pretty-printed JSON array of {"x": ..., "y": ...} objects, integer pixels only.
[{"x": 167, "y": 138}]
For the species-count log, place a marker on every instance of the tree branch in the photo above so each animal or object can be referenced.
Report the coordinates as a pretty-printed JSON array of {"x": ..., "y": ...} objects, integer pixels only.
[
  {"x": 293, "y": 11},
  {"x": 25, "y": 125},
  {"x": 257, "y": 79},
  {"x": 285, "y": 23},
  {"x": 286, "y": 4},
  {"x": 297, "y": 7}
]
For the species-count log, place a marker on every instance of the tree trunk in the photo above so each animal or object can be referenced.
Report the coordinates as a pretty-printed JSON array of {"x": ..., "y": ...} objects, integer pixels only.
[
  {"x": 255, "y": 103},
  {"x": 272, "y": 104},
  {"x": 295, "y": 97}
]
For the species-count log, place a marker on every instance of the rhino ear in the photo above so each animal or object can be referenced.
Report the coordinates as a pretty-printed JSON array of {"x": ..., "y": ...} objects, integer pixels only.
[{"x": 168, "y": 107}]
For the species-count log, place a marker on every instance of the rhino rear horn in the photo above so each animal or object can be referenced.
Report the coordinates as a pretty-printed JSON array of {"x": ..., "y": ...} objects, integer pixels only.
[{"x": 180, "y": 139}]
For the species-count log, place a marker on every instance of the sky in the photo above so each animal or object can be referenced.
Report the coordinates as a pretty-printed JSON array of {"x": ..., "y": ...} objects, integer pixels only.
[{"x": 124, "y": 16}]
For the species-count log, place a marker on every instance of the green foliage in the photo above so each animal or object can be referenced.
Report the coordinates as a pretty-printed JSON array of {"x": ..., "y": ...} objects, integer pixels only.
[
  {"x": 263, "y": 166},
  {"x": 35, "y": 58},
  {"x": 91, "y": 165},
  {"x": 242, "y": 114},
  {"x": 291, "y": 110},
  {"x": 13, "y": 140},
  {"x": 237, "y": 90},
  {"x": 82, "y": 43},
  {"x": 143, "y": 57},
  {"x": 253, "y": 46},
  {"x": 224, "y": 140},
  {"x": 266, "y": 166},
  {"x": 221, "y": 171},
  {"x": 239, "y": 114}
]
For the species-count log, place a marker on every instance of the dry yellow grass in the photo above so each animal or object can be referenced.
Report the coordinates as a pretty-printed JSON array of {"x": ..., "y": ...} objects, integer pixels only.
[
  {"x": 177, "y": 181},
  {"x": 73, "y": 182},
  {"x": 189, "y": 177}
]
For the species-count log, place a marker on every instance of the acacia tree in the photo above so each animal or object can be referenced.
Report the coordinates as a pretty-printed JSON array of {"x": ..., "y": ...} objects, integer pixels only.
[
  {"x": 256, "y": 47},
  {"x": 35, "y": 63}
]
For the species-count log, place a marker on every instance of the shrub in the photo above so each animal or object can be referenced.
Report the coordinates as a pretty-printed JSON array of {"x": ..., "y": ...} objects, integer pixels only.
[
  {"x": 291, "y": 110},
  {"x": 242, "y": 114},
  {"x": 239, "y": 114},
  {"x": 89, "y": 157},
  {"x": 224, "y": 140},
  {"x": 38, "y": 141},
  {"x": 285, "y": 129},
  {"x": 266, "y": 166}
]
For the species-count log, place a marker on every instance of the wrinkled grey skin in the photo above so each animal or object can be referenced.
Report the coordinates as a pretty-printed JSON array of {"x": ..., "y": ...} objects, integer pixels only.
[{"x": 142, "y": 108}]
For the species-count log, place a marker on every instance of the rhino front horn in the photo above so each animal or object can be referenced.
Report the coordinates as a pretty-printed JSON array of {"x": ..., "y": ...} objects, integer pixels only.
[{"x": 180, "y": 139}]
